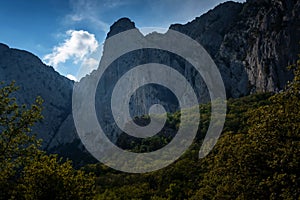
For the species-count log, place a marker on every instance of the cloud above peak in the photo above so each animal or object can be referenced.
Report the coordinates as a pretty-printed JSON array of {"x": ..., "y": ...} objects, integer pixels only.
[{"x": 78, "y": 46}]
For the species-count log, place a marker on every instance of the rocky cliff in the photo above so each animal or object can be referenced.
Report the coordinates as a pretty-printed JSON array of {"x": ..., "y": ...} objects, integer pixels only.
[
  {"x": 36, "y": 79},
  {"x": 251, "y": 43}
]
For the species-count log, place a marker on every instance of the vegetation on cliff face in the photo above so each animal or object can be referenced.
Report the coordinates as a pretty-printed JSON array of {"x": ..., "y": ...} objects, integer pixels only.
[{"x": 257, "y": 156}]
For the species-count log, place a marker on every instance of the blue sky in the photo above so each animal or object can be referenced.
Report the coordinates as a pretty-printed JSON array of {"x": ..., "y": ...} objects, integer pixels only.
[{"x": 68, "y": 35}]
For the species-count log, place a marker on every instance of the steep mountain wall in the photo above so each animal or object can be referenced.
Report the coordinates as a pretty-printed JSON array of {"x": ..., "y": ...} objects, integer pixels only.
[{"x": 251, "y": 43}]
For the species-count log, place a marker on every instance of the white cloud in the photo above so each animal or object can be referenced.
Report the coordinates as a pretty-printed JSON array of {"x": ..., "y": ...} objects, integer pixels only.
[
  {"x": 89, "y": 11},
  {"x": 90, "y": 64},
  {"x": 77, "y": 46},
  {"x": 87, "y": 66},
  {"x": 71, "y": 77}
]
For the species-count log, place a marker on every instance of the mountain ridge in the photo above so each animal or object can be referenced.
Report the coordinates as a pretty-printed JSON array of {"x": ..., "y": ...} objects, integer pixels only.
[
  {"x": 34, "y": 78},
  {"x": 252, "y": 43}
]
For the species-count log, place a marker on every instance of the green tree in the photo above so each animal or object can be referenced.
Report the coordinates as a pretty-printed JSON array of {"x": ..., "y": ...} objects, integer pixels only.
[
  {"x": 50, "y": 178},
  {"x": 262, "y": 162},
  {"x": 26, "y": 172},
  {"x": 17, "y": 146}
]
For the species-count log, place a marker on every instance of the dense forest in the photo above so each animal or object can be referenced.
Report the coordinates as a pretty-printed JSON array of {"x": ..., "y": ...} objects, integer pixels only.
[{"x": 257, "y": 156}]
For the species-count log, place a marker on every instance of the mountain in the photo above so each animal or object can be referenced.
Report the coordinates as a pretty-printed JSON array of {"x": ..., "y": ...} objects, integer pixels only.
[
  {"x": 36, "y": 79},
  {"x": 252, "y": 43}
]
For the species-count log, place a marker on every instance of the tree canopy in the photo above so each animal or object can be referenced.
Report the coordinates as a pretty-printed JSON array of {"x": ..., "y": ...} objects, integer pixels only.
[{"x": 26, "y": 172}]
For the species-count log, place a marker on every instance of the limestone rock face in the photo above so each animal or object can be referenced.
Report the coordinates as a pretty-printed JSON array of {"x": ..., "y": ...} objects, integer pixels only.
[{"x": 251, "y": 43}]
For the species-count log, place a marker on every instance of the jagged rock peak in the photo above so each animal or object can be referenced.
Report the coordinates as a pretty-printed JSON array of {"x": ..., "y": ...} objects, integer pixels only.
[{"x": 121, "y": 25}]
